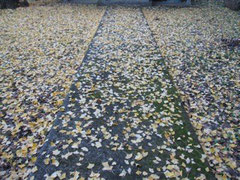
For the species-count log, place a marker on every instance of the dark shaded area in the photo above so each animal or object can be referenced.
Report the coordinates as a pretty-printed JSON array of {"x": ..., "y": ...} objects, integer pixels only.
[
  {"x": 9, "y": 4},
  {"x": 24, "y": 3},
  {"x": 232, "y": 42},
  {"x": 232, "y": 4},
  {"x": 13, "y": 4}
]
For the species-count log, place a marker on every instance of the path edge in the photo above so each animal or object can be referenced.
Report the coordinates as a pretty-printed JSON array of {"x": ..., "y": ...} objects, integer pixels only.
[
  {"x": 65, "y": 102},
  {"x": 184, "y": 112}
]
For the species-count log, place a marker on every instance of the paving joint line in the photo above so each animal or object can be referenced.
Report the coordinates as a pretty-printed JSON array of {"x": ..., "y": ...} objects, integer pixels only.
[
  {"x": 184, "y": 112},
  {"x": 66, "y": 99}
]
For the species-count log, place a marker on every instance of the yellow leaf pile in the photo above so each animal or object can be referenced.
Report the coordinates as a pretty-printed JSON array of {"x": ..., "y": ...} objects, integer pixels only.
[{"x": 40, "y": 49}]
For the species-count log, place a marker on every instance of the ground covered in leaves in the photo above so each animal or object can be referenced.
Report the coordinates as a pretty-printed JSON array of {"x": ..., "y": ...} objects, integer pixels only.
[
  {"x": 206, "y": 71},
  {"x": 40, "y": 49},
  {"x": 122, "y": 116}
]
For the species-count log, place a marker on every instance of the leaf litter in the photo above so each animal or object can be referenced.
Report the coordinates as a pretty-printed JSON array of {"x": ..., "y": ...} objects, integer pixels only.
[
  {"x": 123, "y": 111},
  {"x": 206, "y": 73},
  {"x": 124, "y": 102},
  {"x": 41, "y": 48}
]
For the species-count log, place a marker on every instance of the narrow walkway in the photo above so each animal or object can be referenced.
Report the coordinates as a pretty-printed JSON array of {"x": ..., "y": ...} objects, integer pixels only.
[{"x": 122, "y": 117}]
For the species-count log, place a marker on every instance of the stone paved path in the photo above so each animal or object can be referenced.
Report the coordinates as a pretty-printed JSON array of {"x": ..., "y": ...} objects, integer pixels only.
[{"x": 122, "y": 117}]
